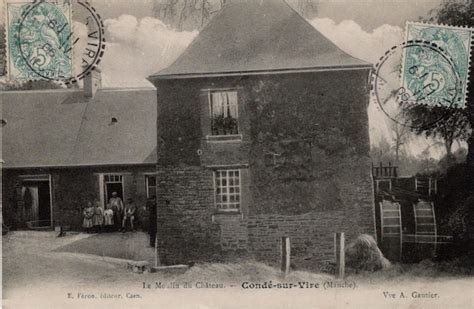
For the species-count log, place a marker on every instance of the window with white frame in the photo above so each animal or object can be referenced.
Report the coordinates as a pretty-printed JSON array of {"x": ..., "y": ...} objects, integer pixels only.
[
  {"x": 150, "y": 181},
  {"x": 224, "y": 113},
  {"x": 113, "y": 178},
  {"x": 227, "y": 185}
]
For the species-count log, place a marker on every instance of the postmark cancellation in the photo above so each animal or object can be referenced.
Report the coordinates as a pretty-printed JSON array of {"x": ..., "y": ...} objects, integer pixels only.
[{"x": 436, "y": 78}]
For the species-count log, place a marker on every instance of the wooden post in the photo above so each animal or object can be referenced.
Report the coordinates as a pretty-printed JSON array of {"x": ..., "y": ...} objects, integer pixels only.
[
  {"x": 156, "y": 251},
  {"x": 285, "y": 255},
  {"x": 429, "y": 186},
  {"x": 340, "y": 255}
]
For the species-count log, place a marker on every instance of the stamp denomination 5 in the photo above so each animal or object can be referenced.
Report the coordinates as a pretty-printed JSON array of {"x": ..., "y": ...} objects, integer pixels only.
[
  {"x": 45, "y": 42},
  {"x": 436, "y": 74}
]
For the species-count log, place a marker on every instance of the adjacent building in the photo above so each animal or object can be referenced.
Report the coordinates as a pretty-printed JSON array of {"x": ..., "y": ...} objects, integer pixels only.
[
  {"x": 262, "y": 132},
  {"x": 65, "y": 147}
]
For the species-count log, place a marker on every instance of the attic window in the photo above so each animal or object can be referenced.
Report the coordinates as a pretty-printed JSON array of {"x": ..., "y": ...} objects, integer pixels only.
[
  {"x": 224, "y": 113},
  {"x": 3, "y": 122}
]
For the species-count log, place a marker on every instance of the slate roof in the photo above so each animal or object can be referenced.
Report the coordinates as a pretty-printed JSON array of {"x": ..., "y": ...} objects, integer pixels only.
[
  {"x": 61, "y": 127},
  {"x": 258, "y": 36}
]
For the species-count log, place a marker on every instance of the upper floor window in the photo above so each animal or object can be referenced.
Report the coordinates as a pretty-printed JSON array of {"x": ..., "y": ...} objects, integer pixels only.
[{"x": 224, "y": 113}]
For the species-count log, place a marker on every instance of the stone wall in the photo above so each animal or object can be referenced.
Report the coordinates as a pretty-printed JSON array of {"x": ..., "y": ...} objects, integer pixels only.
[
  {"x": 234, "y": 237},
  {"x": 185, "y": 207},
  {"x": 311, "y": 237}
]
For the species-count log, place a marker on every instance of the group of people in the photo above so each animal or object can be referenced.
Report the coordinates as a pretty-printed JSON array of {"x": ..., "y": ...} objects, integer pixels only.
[{"x": 114, "y": 218}]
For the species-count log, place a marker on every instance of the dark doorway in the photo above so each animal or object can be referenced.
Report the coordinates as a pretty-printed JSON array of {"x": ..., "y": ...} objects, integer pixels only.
[
  {"x": 44, "y": 211},
  {"x": 37, "y": 202}
]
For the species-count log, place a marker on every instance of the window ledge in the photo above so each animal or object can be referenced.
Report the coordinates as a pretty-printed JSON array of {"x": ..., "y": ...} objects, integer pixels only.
[
  {"x": 224, "y": 138},
  {"x": 227, "y": 212},
  {"x": 220, "y": 215}
]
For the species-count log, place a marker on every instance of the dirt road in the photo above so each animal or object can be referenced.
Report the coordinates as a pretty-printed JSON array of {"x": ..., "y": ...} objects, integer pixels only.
[{"x": 37, "y": 276}]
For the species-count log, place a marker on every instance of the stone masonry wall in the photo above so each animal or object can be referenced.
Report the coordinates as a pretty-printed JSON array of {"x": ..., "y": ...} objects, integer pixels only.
[
  {"x": 185, "y": 208},
  {"x": 312, "y": 234},
  {"x": 234, "y": 236},
  {"x": 311, "y": 237},
  {"x": 305, "y": 148},
  {"x": 189, "y": 228}
]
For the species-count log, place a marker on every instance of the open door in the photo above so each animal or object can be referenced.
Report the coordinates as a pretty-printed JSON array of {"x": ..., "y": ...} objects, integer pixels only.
[
  {"x": 111, "y": 183},
  {"x": 36, "y": 197}
]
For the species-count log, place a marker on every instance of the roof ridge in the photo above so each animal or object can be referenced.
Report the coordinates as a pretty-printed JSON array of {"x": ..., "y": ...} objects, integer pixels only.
[{"x": 257, "y": 36}]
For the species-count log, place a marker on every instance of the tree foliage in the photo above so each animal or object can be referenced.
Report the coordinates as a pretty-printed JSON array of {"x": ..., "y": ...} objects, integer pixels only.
[
  {"x": 408, "y": 165},
  {"x": 454, "y": 124},
  {"x": 439, "y": 122},
  {"x": 453, "y": 12}
]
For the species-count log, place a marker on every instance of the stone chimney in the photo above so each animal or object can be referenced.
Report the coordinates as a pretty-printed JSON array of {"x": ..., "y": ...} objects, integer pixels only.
[{"x": 92, "y": 82}]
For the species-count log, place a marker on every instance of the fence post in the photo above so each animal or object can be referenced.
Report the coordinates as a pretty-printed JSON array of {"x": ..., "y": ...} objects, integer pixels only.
[
  {"x": 285, "y": 255},
  {"x": 156, "y": 251},
  {"x": 340, "y": 255}
]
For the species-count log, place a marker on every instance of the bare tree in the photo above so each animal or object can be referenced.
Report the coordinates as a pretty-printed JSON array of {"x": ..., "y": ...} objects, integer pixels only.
[
  {"x": 194, "y": 14},
  {"x": 186, "y": 14},
  {"x": 401, "y": 135}
]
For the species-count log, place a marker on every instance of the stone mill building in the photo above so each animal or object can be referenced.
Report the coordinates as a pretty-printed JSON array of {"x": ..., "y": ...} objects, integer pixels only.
[{"x": 262, "y": 132}]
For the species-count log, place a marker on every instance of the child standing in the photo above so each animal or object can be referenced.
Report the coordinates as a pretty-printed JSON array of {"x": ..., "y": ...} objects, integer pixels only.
[
  {"x": 108, "y": 218},
  {"x": 88, "y": 213},
  {"x": 98, "y": 219}
]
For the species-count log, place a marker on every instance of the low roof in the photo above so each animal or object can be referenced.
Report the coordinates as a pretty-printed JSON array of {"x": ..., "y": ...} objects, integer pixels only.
[
  {"x": 258, "y": 36},
  {"x": 62, "y": 127}
]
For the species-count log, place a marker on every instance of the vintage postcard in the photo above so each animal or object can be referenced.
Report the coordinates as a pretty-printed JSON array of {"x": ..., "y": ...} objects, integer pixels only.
[{"x": 237, "y": 153}]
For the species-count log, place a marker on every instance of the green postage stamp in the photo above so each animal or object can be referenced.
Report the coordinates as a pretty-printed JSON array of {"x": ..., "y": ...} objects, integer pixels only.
[
  {"x": 436, "y": 72},
  {"x": 39, "y": 36}
]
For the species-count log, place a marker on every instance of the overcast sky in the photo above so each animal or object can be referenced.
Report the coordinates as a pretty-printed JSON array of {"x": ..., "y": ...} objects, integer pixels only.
[{"x": 369, "y": 14}]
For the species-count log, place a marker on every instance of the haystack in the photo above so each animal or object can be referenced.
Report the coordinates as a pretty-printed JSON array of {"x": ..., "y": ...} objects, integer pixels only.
[{"x": 364, "y": 255}]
